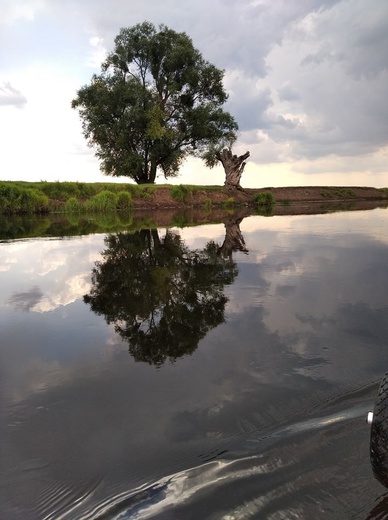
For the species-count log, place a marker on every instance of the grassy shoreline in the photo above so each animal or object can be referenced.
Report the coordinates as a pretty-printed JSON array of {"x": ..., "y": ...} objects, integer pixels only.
[{"x": 22, "y": 197}]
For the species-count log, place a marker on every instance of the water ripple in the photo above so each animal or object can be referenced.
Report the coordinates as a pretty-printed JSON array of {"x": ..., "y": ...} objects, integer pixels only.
[{"x": 221, "y": 476}]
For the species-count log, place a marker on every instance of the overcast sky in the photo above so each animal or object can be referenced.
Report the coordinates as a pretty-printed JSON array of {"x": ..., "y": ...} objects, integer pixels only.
[{"x": 307, "y": 83}]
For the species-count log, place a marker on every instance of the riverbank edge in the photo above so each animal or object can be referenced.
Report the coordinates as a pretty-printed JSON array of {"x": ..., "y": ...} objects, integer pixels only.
[
  {"x": 18, "y": 197},
  {"x": 285, "y": 196}
]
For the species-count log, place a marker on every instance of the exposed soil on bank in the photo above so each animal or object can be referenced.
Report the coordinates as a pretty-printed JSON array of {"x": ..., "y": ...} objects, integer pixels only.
[{"x": 162, "y": 197}]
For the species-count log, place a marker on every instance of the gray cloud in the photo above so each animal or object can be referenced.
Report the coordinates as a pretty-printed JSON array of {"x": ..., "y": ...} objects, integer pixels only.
[
  {"x": 341, "y": 80},
  {"x": 248, "y": 104},
  {"x": 287, "y": 93}
]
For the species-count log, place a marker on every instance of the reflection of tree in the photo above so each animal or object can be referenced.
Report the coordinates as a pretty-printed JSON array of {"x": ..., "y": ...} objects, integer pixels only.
[
  {"x": 161, "y": 296},
  {"x": 234, "y": 241}
]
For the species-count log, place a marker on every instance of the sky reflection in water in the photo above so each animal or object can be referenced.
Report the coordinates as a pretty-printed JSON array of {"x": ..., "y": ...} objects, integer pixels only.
[{"x": 278, "y": 377}]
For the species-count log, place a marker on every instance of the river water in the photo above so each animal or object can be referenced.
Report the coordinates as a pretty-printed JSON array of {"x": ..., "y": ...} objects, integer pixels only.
[{"x": 221, "y": 371}]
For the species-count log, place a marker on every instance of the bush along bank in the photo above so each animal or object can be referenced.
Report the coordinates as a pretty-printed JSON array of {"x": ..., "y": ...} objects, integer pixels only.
[{"x": 18, "y": 198}]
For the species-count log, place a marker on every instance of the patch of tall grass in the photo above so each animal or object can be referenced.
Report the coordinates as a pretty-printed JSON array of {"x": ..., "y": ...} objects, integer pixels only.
[
  {"x": 338, "y": 193},
  {"x": 72, "y": 205},
  {"x": 18, "y": 200},
  {"x": 142, "y": 191},
  {"x": 103, "y": 201},
  {"x": 124, "y": 201},
  {"x": 180, "y": 192},
  {"x": 265, "y": 199}
]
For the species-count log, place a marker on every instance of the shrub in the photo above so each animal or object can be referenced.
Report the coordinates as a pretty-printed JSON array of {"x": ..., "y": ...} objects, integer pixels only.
[
  {"x": 72, "y": 205},
  {"x": 16, "y": 199},
  {"x": 34, "y": 201},
  {"x": 180, "y": 192},
  {"x": 103, "y": 201},
  {"x": 265, "y": 199},
  {"x": 9, "y": 198},
  {"x": 124, "y": 201},
  {"x": 145, "y": 192}
]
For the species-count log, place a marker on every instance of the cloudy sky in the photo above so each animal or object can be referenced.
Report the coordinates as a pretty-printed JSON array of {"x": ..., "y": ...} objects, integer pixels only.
[{"x": 307, "y": 83}]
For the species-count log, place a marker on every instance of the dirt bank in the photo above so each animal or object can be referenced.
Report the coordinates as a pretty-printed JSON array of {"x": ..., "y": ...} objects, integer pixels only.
[{"x": 162, "y": 197}]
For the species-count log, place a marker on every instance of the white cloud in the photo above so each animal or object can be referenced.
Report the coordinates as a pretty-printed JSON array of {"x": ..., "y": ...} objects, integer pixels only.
[{"x": 98, "y": 52}]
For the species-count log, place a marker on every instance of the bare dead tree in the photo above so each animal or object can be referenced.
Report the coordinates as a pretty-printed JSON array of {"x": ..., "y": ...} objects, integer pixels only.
[{"x": 234, "y": 166}]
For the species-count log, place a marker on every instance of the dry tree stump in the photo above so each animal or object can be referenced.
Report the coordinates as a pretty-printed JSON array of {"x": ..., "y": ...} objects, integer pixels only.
[{"x": 234, "y": 166}]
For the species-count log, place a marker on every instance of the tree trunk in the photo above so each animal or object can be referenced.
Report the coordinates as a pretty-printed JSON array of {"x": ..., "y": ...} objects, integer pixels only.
[
  {"x": 148, "y": 172},
  {"x": 233, "y": 166},
  {"x": 152, "y": 175}
]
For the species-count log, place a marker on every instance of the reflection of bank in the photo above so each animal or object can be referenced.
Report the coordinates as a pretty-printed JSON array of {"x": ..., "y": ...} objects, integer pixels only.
[{"x": 161, "y": 296}]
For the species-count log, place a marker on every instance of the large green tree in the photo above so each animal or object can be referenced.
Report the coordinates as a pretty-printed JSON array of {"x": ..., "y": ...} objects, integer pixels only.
[{"x": 155, "y": 102}]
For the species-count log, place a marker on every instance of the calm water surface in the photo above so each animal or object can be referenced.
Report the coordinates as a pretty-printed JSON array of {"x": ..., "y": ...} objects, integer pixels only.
[{"x": 212, "y": 372}]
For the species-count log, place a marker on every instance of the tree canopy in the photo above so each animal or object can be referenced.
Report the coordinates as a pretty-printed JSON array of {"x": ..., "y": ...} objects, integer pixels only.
[{"x": 155, "y": 102}]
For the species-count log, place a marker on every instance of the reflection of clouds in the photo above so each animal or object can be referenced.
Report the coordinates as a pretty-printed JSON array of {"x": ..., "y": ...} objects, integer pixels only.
[
  {"x": 27, "y": 300},
  {"x": 322, "y": 279},
  {"x": 367, "y": 223},
  {"x": 73, "y": 289},
  {"x": 9, "y": 252},
  {"x": 311, "y": 264},
  {"x": 94, "y": 256},
  {"x": 6, "y": 263},
  {"x": 197, "y": 237},
  {"x": 315, "y": 287},
  {"x": 285, "y": 291},
  {"x": 36, "y": 376},
  {"x": 241, "y": 299},
  {"x": 51, "y": 260},
  {"x": 44, "y": 362},
  {"x": 60, "y": 268},
  {"x": 56, "y": 255}
]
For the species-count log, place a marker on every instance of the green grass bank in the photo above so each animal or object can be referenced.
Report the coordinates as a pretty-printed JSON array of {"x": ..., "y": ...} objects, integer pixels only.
[{"x": 21, "y": 197}]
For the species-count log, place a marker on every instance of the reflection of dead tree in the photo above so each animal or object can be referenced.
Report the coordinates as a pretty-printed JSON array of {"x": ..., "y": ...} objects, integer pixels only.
[
  {"x": 233, "y": 165},
  {"x": 234, "y": 240}
]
